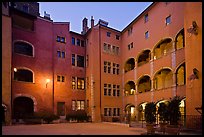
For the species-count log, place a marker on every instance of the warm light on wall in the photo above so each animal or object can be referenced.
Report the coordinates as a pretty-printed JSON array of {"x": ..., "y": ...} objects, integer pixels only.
[
  {"x": 47, "y": 81},
  {"x": 15, "y": 69}
]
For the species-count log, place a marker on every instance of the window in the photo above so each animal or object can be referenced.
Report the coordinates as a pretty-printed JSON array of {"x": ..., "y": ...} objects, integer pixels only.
[
  {"x": 78, "y": 42},
  {"x": 23, "y": 48},
  {"x": 105, "y": 47},
  {"x": 147, "y": 35},
  {"x": 63, "y": 54},
  {"x": 109, "y": 48},
  {"x": 80, "y": 83},
  {"x": 105, "y": 89},
  {"x": 73, "y": 59},
  {"x": 73, "y": 41},
  {"x": 109, "y": 89},
  {"x": 58, "y": 78},
  {"x": 73, "y": 105},
  {"x": 114, "y": 111},
  {"x": 146, "y": 18},
  {"x": 82, "y": 43},
  {"x": 105, "y": 66},
  {"x": 108, "y": 34},
  {"x": 117, "y": 37},
  {"x": 58, "y": 39},
  {"x": 60, "y": 108},
  {"x": 107, "y": 111},
  {"x": 114, "y": 68},
  {"x": 130, "y": 46},
  {"x": 117, "y": 50},
  {"x": 73, "y": 83},
  {"x": 58, "y": 54},
  {"x": 25, "y": 8},
  {"x": 78, "y": 104},
  {"x": 62, "y": 78},
  {"x": 129, "y": 31},
  {"x": 80, "y": 61},
  {"x": 114, "y": 90},
  {"x": 117, "y": 68},
  {"x": 23, "y": 75},
  {"x": 62, "y": 39},
  {"x": 114, "y": 49},
  {"x": 109, "y": 67},
  {"x": 118, "y": 90},
  {"x": 168, "y": 20}
]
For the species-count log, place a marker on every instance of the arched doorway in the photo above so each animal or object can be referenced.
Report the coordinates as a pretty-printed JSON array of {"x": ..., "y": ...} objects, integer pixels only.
[
  {"x": 130, "y": 112},
  {"x": 22, "y": 107}
]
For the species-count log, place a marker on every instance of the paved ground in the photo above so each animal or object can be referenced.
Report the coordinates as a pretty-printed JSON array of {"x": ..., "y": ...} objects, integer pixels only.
[
  {"x": 71, "y": 129},
  {"x": 78, "y": 129}
]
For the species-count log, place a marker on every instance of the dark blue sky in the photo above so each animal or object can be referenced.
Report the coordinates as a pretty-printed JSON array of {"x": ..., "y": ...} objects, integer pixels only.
[{"x": 117, "y": 14}]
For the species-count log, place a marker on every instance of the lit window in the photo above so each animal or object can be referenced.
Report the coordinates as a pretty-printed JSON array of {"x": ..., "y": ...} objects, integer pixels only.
[
  {"x": 147, "y": 35},
  {"x": 73, "y": 105},
  {"x": 73, "y": 83},
  {"x": 80, "y": 83},
  {"x": 168, "y": 20},
  {"x": 63, "y": 39}
]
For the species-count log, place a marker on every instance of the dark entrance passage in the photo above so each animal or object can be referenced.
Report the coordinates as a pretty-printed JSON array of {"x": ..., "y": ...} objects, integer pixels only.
[
  {"x": 3, "y": 110},
  {"x": 23, "y": 107}
]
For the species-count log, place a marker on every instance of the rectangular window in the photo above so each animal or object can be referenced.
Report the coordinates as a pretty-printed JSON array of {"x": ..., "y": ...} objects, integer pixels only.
[
  {"x": 105, "y": 47},
  {"x": 58, "y": 78},
  {"x": 80, "y": 83},
  {"x": 118, "y": 90},
  {"x": 60, "y": 108},
  {"x": 73, "y": 41},
  {"x": 109, "y": 67},
  {"x": 117, "y": 37},
  {"x": 117, "y": 68},
  {"x": 114, "y": 68},
  {"x": 114, "y": 111},
  {"x": 109, "y": 89},
  {"x": 73, "y": 59},
  {"x": 168, "y": 20},
  {"x": 105, "y": 89},
  {"x": 62, "y": 39},
  {"x": 117, "y": 50},
  {"x": 105, "y": 66},
  {"x": 82, "y": 43},
  {"x": 78, "y": 42},
  {"x": 58, "y": 54},
  {"x": 118, "y": 111},
  {"x": 130, "y": 46},
  {"x": 73, "y": 105},
  {"x": 63, "y": 54},
  {"x": 114, "y": 49},
  {"x": 62, "y": 78},
  {"x": 108, "y": 34},
  {"x": 129, "y": 31},
  {"x": 109, "y": 112},
  {"x": 73, "y": 83},
  {"x": 146, "y": 34},
  {"x": 105, "y": 111},
  {"x": 114, "y": 90},
  {"x": 58, "y": 39},
  {"x": 80, "y": 61},
  {"x": 109, "y": 48},
  {"x": 146, "y": 18}
]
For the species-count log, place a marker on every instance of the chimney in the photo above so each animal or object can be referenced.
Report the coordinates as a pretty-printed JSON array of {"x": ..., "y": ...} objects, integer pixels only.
[
  {"x": 92, "y": 22},
  {"x": 84, "y": 26}
]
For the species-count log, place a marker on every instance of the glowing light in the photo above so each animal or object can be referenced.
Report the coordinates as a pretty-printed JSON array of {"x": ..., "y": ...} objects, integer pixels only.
[
  {"x": 47, "y": 80},
  {"x": 15, "y": 69}
]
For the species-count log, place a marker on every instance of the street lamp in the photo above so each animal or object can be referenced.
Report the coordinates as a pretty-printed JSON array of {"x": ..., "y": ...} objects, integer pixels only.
[{"x": 47, "y": 81}]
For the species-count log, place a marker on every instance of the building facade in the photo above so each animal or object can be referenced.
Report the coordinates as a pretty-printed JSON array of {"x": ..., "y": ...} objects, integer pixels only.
[{"x": 108, "y": 73}]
